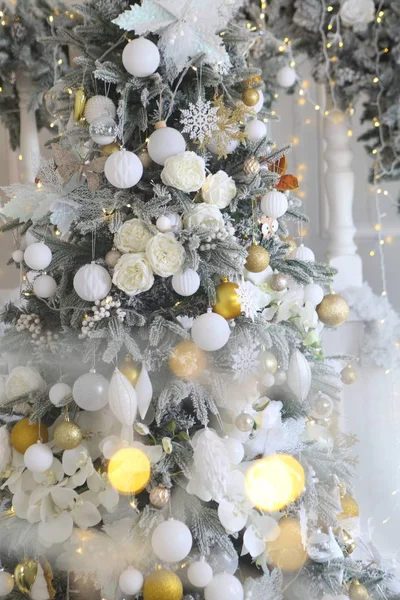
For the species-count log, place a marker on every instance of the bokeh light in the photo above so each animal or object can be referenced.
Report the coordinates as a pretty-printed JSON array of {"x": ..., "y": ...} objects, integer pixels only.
[
  {"x": 273, "y": 482},
  {"x": 129, "y": 471},
  {"x": 287, "y": 551}
]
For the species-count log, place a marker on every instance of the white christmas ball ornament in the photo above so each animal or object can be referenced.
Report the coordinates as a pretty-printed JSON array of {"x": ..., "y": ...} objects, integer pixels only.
[
  {"x": 92, "y": 282},
  {"x": 103, "y": 130},
  {"x": 38, "y": 256},
  {"x": 313, "y": 293},
  {"x": 131, "y": 581},
  {"x": 6, "y": 583},
  {"x": 286, "y": 77},
  {"x": 171, "y": 541},
  {"x": 98, "y": 106},
  {"x": 302, "y": 253},
  {"x": 44, "y": 286},
  {"x": 274, "y": 204},
  {"x": 255, "y": 130},
  {"x": 38, "y": 458},
  {"x": 90, "y": 391},
  {"x": 224, "y": 587},
  {"x": 17, "y": 257},
  {"x": 141, "y": 57},
  {"x": 268, "y": 379},
  {"x": 169, "y": 222},
  {"x": 58, "y": 392},
  {"x": 200, "y": 573},
  {"x": 210, "y": 331},
  {"x": 235, "y": 450},
  {"x": 165, "y": 142},
  {"x": 186, "y": 283},
  {"x": 228, "y": 148},
  {"x": 123, "y": 169}
]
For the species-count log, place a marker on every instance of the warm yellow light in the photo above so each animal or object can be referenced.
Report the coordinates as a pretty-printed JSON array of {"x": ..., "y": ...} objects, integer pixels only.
[
  {"x": 330, "y": 26},
  {"x": 329, "y": 45},
  {"x": 377, "y": 227},
  {"x": 374, "y": 151},
  {"x": 129, "y": 471},
  {"x": 274, "y": 482},
  {"x": 281, "y": 48},
  {"x": 376, "y": 123},
  {"x": 295, "y": 141},
  {"x": 381, "y": 13},
  {"x": 20, "y": 157},
  {"x": 388, "y": 239},
  {"x": 276, "y": 96},
  {"x": 375, "y": 80},
  {"x": 301, "y": 101},
  {"x": 317, "y": 107},
  {"x": 330, "y": 8},
  {"x": 386, "y": 50},
  {"x": 350, "y": 132},
  {"x": 341, "y": 44},
  {"x": 372, "y": 253},
  {"x": 292, "y": 63},
  {"x": 382, "y": 242},
  {"x": 379, "y": 20},
  {"x": 308, "y": 121},
  {"x": 273, "y": 113},
  {"x": 326, "y": 113}
]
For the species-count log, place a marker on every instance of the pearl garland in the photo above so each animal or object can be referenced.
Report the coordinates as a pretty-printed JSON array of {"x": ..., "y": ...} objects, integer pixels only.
[
  {"x": 34, "y": 326},
  {"x": 219, "y": 233},
  {"x": 101, "y": 310}
]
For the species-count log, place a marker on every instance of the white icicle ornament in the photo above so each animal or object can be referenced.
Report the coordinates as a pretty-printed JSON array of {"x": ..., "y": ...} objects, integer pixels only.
[
  {"x": 144, "y": 392},
  {"x": 122, "y": 398},
  {"x": 299, "y": 375}
]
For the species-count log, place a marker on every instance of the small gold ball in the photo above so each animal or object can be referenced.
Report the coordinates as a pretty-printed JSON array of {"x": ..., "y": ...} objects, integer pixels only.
[
  {"x": 251, "y": 166},
  {"x": 257, "y": 259},
  {"x": 348, "y": 375},
  {"x": 357, "y": 591},
  {"x": 250, "y": 97},
  {"x": 348, "y": 542},
  {"x": 333, "y": 310},
  {"x": 25, "y": 434},
  {"x": 287, "y": 551},
  {"x": 159, "y": 496},
  {"x": 228, "y": 302},
  {"x": 130, "y": 370},
  {"x": 349, "y": 507},
  {"x": 187, "y": 360},
  {"x": 67, "y": 435},
  {"x": 109, "y": 149},
  {"x": 162, "y": 585}
]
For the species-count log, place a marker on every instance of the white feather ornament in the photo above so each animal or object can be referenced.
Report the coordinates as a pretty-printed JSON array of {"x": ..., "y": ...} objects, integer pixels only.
[
  {"x": 122, "y": 398},
  {"x": 299, "y": 375},
  {"x": 211, "y": 464},
  {"x": 144, "y": 392},
  {"x": 5, "y": 449}
]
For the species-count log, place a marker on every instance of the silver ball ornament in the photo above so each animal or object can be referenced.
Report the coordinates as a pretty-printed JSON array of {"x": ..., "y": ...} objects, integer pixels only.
[
  {"x": 103, "y": 130},
  {"x": 244, "y": 422},
  {"x": 279, "y": 282}
]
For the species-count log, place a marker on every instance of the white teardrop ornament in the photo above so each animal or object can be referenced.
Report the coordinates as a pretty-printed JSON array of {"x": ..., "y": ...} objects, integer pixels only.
[
  {"x": 122, "y": 398},
  {"x": 144, "y": 392}
]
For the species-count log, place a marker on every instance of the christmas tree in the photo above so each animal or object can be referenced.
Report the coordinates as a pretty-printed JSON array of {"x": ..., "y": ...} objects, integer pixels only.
[{"x": 169, "y": 418}]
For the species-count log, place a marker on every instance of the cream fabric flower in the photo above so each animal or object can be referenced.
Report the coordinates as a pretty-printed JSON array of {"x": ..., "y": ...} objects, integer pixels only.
[
  {"x": 219, "y": 189},
  {"x": 132, "y": 236},
  {"x": 133, "y": 274},
  {"x": 207, "y": 215},
  {"x": 165, "y": 254},
  {"x": 357, "y": 12},
  {"x": 184, "y": 171}
]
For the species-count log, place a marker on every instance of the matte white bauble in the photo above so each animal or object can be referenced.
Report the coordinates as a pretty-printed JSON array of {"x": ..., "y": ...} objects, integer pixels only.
[
  {"x": 103, "y": 130},
  {"x": 58, "y": 392},
  {"x": 131, "y": 581},
  {"x": 200, "y": 573},
  {"x": 30, "y": 237},
  {"x": 169, "y": 222},
  {"x": 224, "y": 587},
  {"x": 210, "y": 331},
  {"x": 313, "y": 293},
  {"x": 97, "y": 106},
  {"x": 255, "y": 130},
  {"x": 280, "y": 377},
  {"x": 171, "y": 541},
  {"x": 17, "y": 257},
  {"x": 257, "y": 107},
  {"x": 299, "y": 375},
  {"x": 38, "y": 458},
  {"x": 228, "y": 148},
  {"x": 222, "y": 561},
  {"x": 6, "y": 583},
  {"x": 44, "y": 286},
  {"x": 302, "y": 253},
  {"x": 286, "y": 77},
  {"x": 38, "y": 256},
  {"x": 235, "y": 450},
  {"x": 268, "y": 379},
  {"x": 186, "y": 283},
  {"x": 141, "y": 57},
  {"x": 90, "y": 391},
  {"x": 274, "y": 204},
  {"x": 165, "y": 142},
  {"x": 123, "y": 169},
  {"x": 122, "y": 398},
  {"x": 92, "y": 282}
]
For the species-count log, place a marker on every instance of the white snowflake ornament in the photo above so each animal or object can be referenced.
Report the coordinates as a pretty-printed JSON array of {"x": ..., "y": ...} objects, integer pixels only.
[{"x": 200, "y": 120}]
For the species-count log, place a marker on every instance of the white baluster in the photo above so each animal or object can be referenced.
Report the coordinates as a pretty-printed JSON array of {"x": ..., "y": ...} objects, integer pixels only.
[{"x": 29, "y": 140}]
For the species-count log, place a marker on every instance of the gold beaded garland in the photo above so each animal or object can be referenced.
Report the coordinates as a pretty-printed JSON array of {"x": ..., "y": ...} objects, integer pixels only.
[
  {"x": 68, "y": 435},
  {"x": 250, "y": 97},
  {"x": 333, "y": 310},
  {"x": 348, "y": 375},
  {"x": 357, "y": 591},
  {"x": 25, "y": 434},
  {"x": 228, "y": 302},
  {"x": 159, "y": 496},
  {"x": 257, "y": 259},
  {"x": 162, "y": 585}
]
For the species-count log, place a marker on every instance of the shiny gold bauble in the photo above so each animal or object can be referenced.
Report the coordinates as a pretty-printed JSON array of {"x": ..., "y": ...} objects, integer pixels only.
[
  {"x": 25, "y": 575},
  {"x": 25, "y": 434},
  {"x": 287, "y": 552},
  {"x": 79, "y": 104},
  {"x": 349, "y": 507},
  {"x": 67, "y": 435},
  {"x": 109, "y": 149},
  {"x": 159, "y": 496},
  {"x": 257, "y": 259},
  {"x": 348, "y": 375},
  {"x": 187, "y": 360},
  {"x": 333, "y": 310},
  {"x": 348, "y": 543},
  {"x": 144, "y": 158},
  {"x": 251, "y": 166},
  {"x": 357, "y": 591},
  {"x": 250, "y": 97},
  {"x": 228, "y": 302},
  {"x": 162, "y": 585},
  {"x": 292, "y": 244},
  {"x": 130, "y": 370}
]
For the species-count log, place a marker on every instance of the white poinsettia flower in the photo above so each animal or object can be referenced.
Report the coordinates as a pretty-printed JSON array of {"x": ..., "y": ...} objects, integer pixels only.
[
  {"x": 262, "y": 529},
  {"x": 17, "y": 467},
  {"x": 291, "y": 302},
  {"x": 234, "y": 509},
  {"x": 52, "y": 476}
]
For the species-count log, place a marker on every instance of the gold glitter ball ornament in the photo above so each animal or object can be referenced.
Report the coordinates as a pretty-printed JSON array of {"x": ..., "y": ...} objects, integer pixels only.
[
  {"x": 349, "y": 507},
  {"x": 109, "y": 149},
  {"x": 162, "y": 585},
  {"x": 159, "y": 496},
  {"x": 251, "y": 166},
  {"x": 25, "y": 434},
  {"x": 228, "y": 302},
  {"x": 287, "y": 552},
  {"x": 333, "y": 310},
  {"x": 130, "y": 370},
  {"x": 250, "y": 97},
  {"x": 187, "y": 360},
  {"x": 357, "y": 591},
  {"x": 348, "y": 375},
  {"x": 79, "y": 104},
  {"x": 257, "y": 259},
  {"x": 67, "y": 435}
]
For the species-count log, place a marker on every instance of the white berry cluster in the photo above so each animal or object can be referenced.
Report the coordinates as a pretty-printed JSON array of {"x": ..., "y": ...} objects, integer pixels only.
[
  {"x": 33, "y": 324},
  {"x": 218, "y": 233},
  {"x": 101, "y": 310}
]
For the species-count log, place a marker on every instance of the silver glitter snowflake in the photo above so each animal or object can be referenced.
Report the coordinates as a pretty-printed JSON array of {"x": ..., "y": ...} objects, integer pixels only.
[
  {"x": 245, "y": 361},
  {"x": 252, "y": 299},
  {"x": 200, "y": 120}
]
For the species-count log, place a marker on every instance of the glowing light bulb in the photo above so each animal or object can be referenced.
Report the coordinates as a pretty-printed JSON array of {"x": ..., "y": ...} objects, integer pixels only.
[{"x": 129, "y": 471}]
